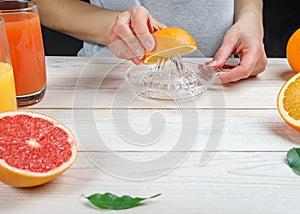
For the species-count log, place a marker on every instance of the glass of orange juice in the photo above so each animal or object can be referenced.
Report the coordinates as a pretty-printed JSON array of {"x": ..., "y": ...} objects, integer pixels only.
[
  {"x": 7, "y": 86},
  {"x": 25, "y": 40}
]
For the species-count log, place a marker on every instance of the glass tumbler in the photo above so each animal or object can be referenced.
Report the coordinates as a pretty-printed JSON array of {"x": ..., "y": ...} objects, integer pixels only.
[
  {"x": 25, "y": 40},
  {"x": 7, "y": 85}
]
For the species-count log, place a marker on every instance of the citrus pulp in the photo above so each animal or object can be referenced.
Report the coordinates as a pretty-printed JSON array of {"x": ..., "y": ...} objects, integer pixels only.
[
  {"x": 288, "y": 101},
  {"x": 34, "y": 148}
]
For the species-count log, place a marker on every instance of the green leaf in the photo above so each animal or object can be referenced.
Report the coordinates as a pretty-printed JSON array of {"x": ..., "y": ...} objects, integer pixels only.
[
  {"x": 113, "y": 202},
  {"x": 293, "y": 157}
]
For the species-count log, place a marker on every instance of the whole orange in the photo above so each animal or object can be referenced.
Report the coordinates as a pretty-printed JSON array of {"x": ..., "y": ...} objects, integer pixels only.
[{"x": 293, "y": 51}]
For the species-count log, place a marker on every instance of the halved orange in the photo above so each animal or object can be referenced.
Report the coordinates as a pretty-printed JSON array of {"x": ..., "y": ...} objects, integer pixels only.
[
  {"x": 170, "y": 42},
  {"x": 288, "y": 101},
  {"x": 34, "y": 148},
  {"x": 293, "y": 51}
]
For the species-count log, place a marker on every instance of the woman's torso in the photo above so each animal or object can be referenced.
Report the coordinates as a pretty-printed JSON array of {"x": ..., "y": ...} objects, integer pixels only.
[{"x": 207, "y": 21}]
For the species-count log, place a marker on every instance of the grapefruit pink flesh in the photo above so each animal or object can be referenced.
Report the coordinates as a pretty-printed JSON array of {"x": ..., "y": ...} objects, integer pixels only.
[{"x": 34, "y": 146}]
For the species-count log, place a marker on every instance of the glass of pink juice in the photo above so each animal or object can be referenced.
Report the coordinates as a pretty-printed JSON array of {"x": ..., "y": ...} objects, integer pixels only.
[{"x": 25, "y": 40}]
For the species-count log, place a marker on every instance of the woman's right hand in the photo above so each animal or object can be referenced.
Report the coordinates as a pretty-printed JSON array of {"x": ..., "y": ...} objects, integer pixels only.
[{"x": 131, "y": 34}]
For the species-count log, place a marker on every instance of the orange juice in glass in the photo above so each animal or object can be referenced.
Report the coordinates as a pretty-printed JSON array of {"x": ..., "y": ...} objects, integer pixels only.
[
  {"x": 7, "y": 85},
  {"x": 26, "y": 49}
]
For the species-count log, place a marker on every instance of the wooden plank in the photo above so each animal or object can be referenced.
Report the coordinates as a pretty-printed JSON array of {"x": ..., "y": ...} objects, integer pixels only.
[
  {"x": 244, "y": 172},
  {"x": 72, "y": 67},
  {"x": 229, "y": 97},
  {"x": 128, "y": 130},
  {"x": 98, "y": 83},
  {"x": 258, "y": 182}
]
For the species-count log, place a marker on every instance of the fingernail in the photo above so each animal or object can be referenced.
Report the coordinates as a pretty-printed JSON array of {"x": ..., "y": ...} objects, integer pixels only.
[
  {"x": 212, "y": 63},
  {"x": 149, "y": 45},
  {"x": 139, "y": 53}
]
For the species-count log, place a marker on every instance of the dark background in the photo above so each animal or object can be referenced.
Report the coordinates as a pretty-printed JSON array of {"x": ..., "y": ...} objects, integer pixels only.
[{"x": 281, "y": 18}]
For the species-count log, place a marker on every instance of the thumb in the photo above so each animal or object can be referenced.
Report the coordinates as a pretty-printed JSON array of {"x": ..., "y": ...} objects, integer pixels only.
[{"x": 222, "y": 55}]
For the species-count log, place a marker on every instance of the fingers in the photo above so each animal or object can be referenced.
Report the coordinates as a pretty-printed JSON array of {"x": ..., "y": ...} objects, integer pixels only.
[
  {"x": 122, "y": 30},
  {"x": 250, "y": 51},
  {"x": 121, "y": 49},
  {"x": 140, "y": 23},
  {"x": 253, "y": 62},
  {"x": 223, "y": 53},
  {"x": 237, "y": 73},
  {"x": 134, "y": 28},
  {"x": 156, "y": 25}
]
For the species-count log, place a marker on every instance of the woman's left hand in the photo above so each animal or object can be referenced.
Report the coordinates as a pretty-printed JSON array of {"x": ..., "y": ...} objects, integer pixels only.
[{"x": 245, "y": 40}]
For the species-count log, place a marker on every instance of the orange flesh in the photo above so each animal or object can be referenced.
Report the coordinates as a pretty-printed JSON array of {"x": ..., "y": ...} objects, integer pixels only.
[{"x": 291, "y": 100}]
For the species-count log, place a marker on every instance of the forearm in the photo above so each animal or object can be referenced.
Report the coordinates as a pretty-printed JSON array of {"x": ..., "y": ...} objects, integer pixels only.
[
  {"x": 250, "y": 12},
  {"x": 78, "y": 19}
]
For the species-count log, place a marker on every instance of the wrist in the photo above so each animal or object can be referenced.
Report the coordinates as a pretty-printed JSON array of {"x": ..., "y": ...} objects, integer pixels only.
[
  {"x": 251, "y": 21},
  {"x": 102, "y": 25}
]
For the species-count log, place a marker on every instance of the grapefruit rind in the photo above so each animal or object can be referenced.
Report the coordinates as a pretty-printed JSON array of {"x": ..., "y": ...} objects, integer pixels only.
[
  {"x": 25, "y": 178},
  {"x": 280, "y": 106}
]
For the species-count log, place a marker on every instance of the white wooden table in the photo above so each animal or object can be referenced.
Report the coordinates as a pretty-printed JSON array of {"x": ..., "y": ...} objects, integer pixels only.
[{"x": 222, "y": 152}]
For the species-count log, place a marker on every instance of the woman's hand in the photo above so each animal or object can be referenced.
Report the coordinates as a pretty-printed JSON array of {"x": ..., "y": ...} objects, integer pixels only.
[
  {"x": 131, "y": 34},
  {"x": 243, "y": 39}
]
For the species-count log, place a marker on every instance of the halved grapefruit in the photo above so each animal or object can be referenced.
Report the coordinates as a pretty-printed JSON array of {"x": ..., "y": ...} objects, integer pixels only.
[{"x": 34, "y": 148}]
